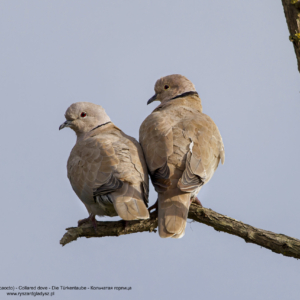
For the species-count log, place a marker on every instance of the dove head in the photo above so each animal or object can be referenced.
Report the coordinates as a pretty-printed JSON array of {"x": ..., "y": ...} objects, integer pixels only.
[
  {"x": 168, "y": 87},
  {"x": 82, "y": 117}
]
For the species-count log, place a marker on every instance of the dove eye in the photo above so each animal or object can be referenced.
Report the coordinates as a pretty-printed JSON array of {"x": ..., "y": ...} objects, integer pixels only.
[
  {"x": 166, "y": 87},
  {"x": 83, "y": 115}
]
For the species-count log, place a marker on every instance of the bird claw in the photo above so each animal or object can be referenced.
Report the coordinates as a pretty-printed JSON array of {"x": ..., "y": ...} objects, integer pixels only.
[
  {"x": 91, "y": 219},
  {"x": 196, "y": 201},
  {"x": 125, "y": 223}
]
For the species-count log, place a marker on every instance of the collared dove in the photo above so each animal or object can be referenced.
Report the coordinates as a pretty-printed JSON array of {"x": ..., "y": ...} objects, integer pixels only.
[
  {"x": 106, "y": 167},
  {"x": 182, "y": 148}
]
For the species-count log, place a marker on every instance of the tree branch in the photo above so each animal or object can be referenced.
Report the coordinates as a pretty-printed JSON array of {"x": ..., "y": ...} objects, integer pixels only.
[
  {"x": 292, "y": 15},
  {"x": 278, "y": 243}
]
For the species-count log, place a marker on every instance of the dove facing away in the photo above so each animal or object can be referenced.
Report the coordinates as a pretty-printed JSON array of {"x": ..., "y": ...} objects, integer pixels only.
[
  {"x": 106, "y": 167},
  {"x": 182, "y": 148}
]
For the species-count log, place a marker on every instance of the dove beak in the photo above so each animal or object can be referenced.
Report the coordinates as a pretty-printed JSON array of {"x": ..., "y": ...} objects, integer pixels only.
[
  {"x": 152, "y": 99},
  {"x": 65, "y": 124}
]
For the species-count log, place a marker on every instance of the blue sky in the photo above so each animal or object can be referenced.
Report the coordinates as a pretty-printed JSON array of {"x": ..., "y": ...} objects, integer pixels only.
[{"x": 238, "y": 56}]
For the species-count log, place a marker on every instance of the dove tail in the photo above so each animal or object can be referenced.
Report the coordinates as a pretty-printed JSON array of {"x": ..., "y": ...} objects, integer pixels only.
[
  {"x": 129, "y": 203},
  {"x": 173, "y": 208}
]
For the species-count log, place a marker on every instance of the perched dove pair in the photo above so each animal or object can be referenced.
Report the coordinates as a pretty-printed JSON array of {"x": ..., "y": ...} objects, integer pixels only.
[{"x": 180, "y": 145}]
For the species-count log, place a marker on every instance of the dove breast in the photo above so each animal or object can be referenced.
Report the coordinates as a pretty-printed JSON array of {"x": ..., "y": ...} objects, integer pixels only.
[
  {"x": 106, "y": 167},
  {"x": 182, "y": 148}
]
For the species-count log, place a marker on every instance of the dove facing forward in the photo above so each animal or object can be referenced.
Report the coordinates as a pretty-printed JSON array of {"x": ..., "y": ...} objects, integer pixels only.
[
  {"x": 182, "y": 148},
  {"x": 106, "y": 167}
]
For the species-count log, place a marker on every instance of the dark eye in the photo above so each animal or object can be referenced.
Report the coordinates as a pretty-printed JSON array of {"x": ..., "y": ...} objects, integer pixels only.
[
  {"x": 83, "y": 115},
  {"x": 166, "y": 87}
]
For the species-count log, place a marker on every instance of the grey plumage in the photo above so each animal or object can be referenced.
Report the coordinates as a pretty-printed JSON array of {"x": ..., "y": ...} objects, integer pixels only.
[
  {"x": 182, "y": 148},
  {"x": 106, "y": 167}
]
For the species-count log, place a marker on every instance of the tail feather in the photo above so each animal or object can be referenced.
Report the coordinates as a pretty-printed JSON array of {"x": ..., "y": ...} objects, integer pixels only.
[
  {"x": 129, "y": 204},
  {"x": 173, "y": 207}
]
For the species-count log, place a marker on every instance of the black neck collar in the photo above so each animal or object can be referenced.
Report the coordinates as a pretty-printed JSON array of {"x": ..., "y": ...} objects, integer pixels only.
[
  {"x": 101, "y": 125},
  {"x": 185, "y": 94}
]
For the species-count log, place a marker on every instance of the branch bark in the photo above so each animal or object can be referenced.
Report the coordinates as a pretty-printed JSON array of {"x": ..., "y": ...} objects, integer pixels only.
[
  {"x": 292, "y": 15},
  {"x": 278, "y": 243}
]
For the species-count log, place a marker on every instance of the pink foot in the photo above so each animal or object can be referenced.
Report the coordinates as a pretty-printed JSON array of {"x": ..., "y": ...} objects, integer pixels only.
[
  {"x": 196, "y": 201},
  {"x": 91, "y": 219},
  {"x": 125, "y": 224}
]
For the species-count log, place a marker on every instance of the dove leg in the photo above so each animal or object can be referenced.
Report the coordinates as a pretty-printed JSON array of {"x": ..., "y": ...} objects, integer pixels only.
[
  {"x": 90, "y": 219},
  {"x": 196, "y": 201},
  {"x": 155, "y": 205},
  {"x": 125, "y": 223}
]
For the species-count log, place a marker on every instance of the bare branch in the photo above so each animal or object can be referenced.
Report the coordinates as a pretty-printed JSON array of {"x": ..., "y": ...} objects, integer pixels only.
[
  {"x": 292, "y": 15},
  {"x": 278, "y": 243},
  {"x": 103, "y": 229}
]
